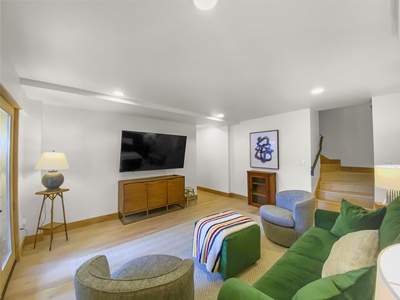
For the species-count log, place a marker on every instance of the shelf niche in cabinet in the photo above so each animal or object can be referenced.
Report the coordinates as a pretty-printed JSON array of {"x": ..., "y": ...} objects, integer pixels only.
[
  {"x": 145, "y": 197},
  {"x": 261, "y": 188}
]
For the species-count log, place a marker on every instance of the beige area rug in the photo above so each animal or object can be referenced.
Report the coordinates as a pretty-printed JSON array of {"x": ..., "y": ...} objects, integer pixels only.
[{"x": 177, "y": 241}]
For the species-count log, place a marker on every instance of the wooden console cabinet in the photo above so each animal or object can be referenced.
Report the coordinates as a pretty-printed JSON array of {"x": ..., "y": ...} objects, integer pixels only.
[
  {"x": 261, "y": 188},
  {"x": 140, "y": 196}
]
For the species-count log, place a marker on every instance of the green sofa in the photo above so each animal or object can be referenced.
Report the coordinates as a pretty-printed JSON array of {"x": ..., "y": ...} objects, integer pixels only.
[{"x": 297, "y": 274}]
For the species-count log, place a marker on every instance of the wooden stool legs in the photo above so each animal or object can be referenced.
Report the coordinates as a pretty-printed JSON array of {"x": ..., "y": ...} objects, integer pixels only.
[{"x": 190, "y": 195}]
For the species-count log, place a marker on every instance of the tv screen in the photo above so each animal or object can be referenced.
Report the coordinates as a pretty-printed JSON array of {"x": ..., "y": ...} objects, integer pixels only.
[{"x": 145, "y": 151}]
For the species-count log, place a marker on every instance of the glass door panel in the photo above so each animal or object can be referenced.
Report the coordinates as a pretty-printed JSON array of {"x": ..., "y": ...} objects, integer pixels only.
[
  {"x": 6, "y": 214},
  {"x": 5, "y": 134}
]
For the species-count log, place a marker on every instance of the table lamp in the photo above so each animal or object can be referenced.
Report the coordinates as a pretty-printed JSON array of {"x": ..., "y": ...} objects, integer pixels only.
[
  {"x": 52, "y": 161},
  {"x": 388, "y": 177}
]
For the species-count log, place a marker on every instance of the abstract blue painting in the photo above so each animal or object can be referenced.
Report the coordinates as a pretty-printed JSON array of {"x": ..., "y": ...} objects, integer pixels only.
[{"x": 264, "y": 149}]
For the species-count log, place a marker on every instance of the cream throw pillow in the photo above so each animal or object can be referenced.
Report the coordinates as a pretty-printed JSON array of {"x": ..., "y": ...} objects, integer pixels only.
[{"x": 352, "y": 251}]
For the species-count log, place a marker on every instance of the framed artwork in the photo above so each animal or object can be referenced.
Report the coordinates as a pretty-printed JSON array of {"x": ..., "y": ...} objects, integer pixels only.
[{"x": 264, "y": 149}]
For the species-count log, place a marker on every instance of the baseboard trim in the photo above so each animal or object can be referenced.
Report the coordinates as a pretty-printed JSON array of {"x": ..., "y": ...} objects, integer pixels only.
[
  {"x": 213, "y": 191},
  {"x": 229, "y": 195},
  {"x": 22, "y": 246},
  {"x": 91, "y": 221},
  {"x": 73, "y": 225},
  {"x": 237, "y": 196}
]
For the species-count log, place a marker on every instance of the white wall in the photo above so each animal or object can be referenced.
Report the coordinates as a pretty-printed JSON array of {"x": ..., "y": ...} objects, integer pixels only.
[
  {"x": 30, "y": 136},
  {"x": 348, "y": 135},
  {"x": 91, "y": 141},
  {"x": 213, "y": 158},
  {"x": 294, "y": 147},
  {"x": 386, "y": 133}
]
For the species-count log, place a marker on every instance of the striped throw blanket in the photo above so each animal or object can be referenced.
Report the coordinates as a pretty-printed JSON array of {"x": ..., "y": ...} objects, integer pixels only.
[{"x": 210, "y": 232}]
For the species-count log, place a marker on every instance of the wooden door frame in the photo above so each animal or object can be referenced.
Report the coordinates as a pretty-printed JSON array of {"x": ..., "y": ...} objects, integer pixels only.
[{"x": 14, "y": 170}]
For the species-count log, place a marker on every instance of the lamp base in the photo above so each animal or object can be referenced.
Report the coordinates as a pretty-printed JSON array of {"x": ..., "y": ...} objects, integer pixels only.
[
  {"x": 52, "y": 180},
  {"x": 391, "y": 195}
]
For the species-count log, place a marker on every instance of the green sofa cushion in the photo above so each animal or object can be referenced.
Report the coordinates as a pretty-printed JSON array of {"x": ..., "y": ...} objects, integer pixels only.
[
  {"x": 390, "y": 228},
  {"x": 236, "y": 289},
  {"x": 353, "y": 285},
  {"x": 325, "y": 218},
  {"x": 300, "y": 265},
  {"x": 354, "y": 218}
]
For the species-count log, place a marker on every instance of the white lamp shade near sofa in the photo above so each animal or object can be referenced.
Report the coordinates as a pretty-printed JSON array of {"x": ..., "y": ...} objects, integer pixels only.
[
  {"x": 388, "y": 276},
  {"x": 387, "y": 177}
]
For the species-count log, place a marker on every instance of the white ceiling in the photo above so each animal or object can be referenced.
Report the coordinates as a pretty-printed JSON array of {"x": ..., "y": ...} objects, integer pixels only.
[{"x": 245, "y": 58}]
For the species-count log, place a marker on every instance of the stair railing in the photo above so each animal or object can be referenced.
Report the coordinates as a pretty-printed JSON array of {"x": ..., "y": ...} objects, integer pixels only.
[{"x": 321, "y": 138}]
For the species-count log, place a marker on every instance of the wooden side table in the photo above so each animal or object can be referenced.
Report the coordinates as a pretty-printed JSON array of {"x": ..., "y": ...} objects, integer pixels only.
[{"x": 52, "y": 195}]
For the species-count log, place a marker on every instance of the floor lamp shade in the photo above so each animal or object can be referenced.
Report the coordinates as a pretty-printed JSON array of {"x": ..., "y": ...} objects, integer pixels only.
[{"x": 52, "y": 161}]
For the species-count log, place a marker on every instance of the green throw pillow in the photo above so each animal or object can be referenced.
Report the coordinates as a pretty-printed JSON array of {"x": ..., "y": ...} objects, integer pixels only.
[
  {"x": 354, "y": 218},
  {"x": 340, "y": 286},
  {"x": 390, "y": 228}
]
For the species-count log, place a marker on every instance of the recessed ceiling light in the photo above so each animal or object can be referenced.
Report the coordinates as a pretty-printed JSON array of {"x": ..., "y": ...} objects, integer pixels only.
[
  {"x": 318, "y": 90},
  {"x": 214, "y": 119},
  {"x": 118, "y": 93},
  {"x": 205, "y": 4},
  {"x": 220, "y": 116}
]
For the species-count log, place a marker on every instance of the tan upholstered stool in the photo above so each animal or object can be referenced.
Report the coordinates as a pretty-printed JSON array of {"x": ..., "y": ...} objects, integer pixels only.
[
  {"x": 190, "y": 195},
  {"x": 155, "y": 276}
]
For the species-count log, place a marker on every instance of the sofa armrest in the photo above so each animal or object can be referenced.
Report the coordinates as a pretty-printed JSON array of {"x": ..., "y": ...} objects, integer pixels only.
[
  {"x": 234, "y": 289},
  {"x": 325, "y": 219}
]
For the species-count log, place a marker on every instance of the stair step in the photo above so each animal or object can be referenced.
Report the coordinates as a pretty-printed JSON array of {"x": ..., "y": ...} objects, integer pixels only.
[
  {"x": 330, "y": 167},
  {"x": 347, "y": 176},
  {"x": 335, "y": 206},
  {"x": 362, "y": 199},
  {"x": 358, "y": 169},
  {"x": 325, "y": 160},
  {"x": 337, "y": 182},
  {"x": 328, "y": 205},
  {"x": 366, "y": 187}
]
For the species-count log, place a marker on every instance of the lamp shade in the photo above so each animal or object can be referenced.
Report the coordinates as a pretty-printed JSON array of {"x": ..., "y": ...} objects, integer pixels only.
[
  {"x": 52, "y": 161},
  {"x": 387, "y": 177},
  {"x": 388, "y": 278}
]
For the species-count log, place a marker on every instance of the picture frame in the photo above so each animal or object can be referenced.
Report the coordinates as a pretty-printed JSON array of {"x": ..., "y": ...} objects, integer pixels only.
[{"x": 264, "y": 149}]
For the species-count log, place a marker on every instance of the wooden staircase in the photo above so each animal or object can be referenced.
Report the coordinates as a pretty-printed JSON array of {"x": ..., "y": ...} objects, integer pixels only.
[{"x": 354, "y": 184}]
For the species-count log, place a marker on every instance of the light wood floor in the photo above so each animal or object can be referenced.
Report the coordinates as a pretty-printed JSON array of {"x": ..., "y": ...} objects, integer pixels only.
[{"x": 41, "y": 274}]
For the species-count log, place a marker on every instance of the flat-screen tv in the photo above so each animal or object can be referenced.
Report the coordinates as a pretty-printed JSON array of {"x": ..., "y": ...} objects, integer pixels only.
[{"x": 145, "y": 151}]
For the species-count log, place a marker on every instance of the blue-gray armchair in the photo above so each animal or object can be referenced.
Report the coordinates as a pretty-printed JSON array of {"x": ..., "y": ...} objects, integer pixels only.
[{"x": 293, "y": 215}]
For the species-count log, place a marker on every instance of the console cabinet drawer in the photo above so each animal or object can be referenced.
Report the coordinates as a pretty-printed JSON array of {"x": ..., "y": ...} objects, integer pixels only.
[
  {"x": 157, "y": 193},
  {"x": 135, "y": 198},
  {"x": 139, "y": 196},
  {"x": 176, "y": 190}
]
